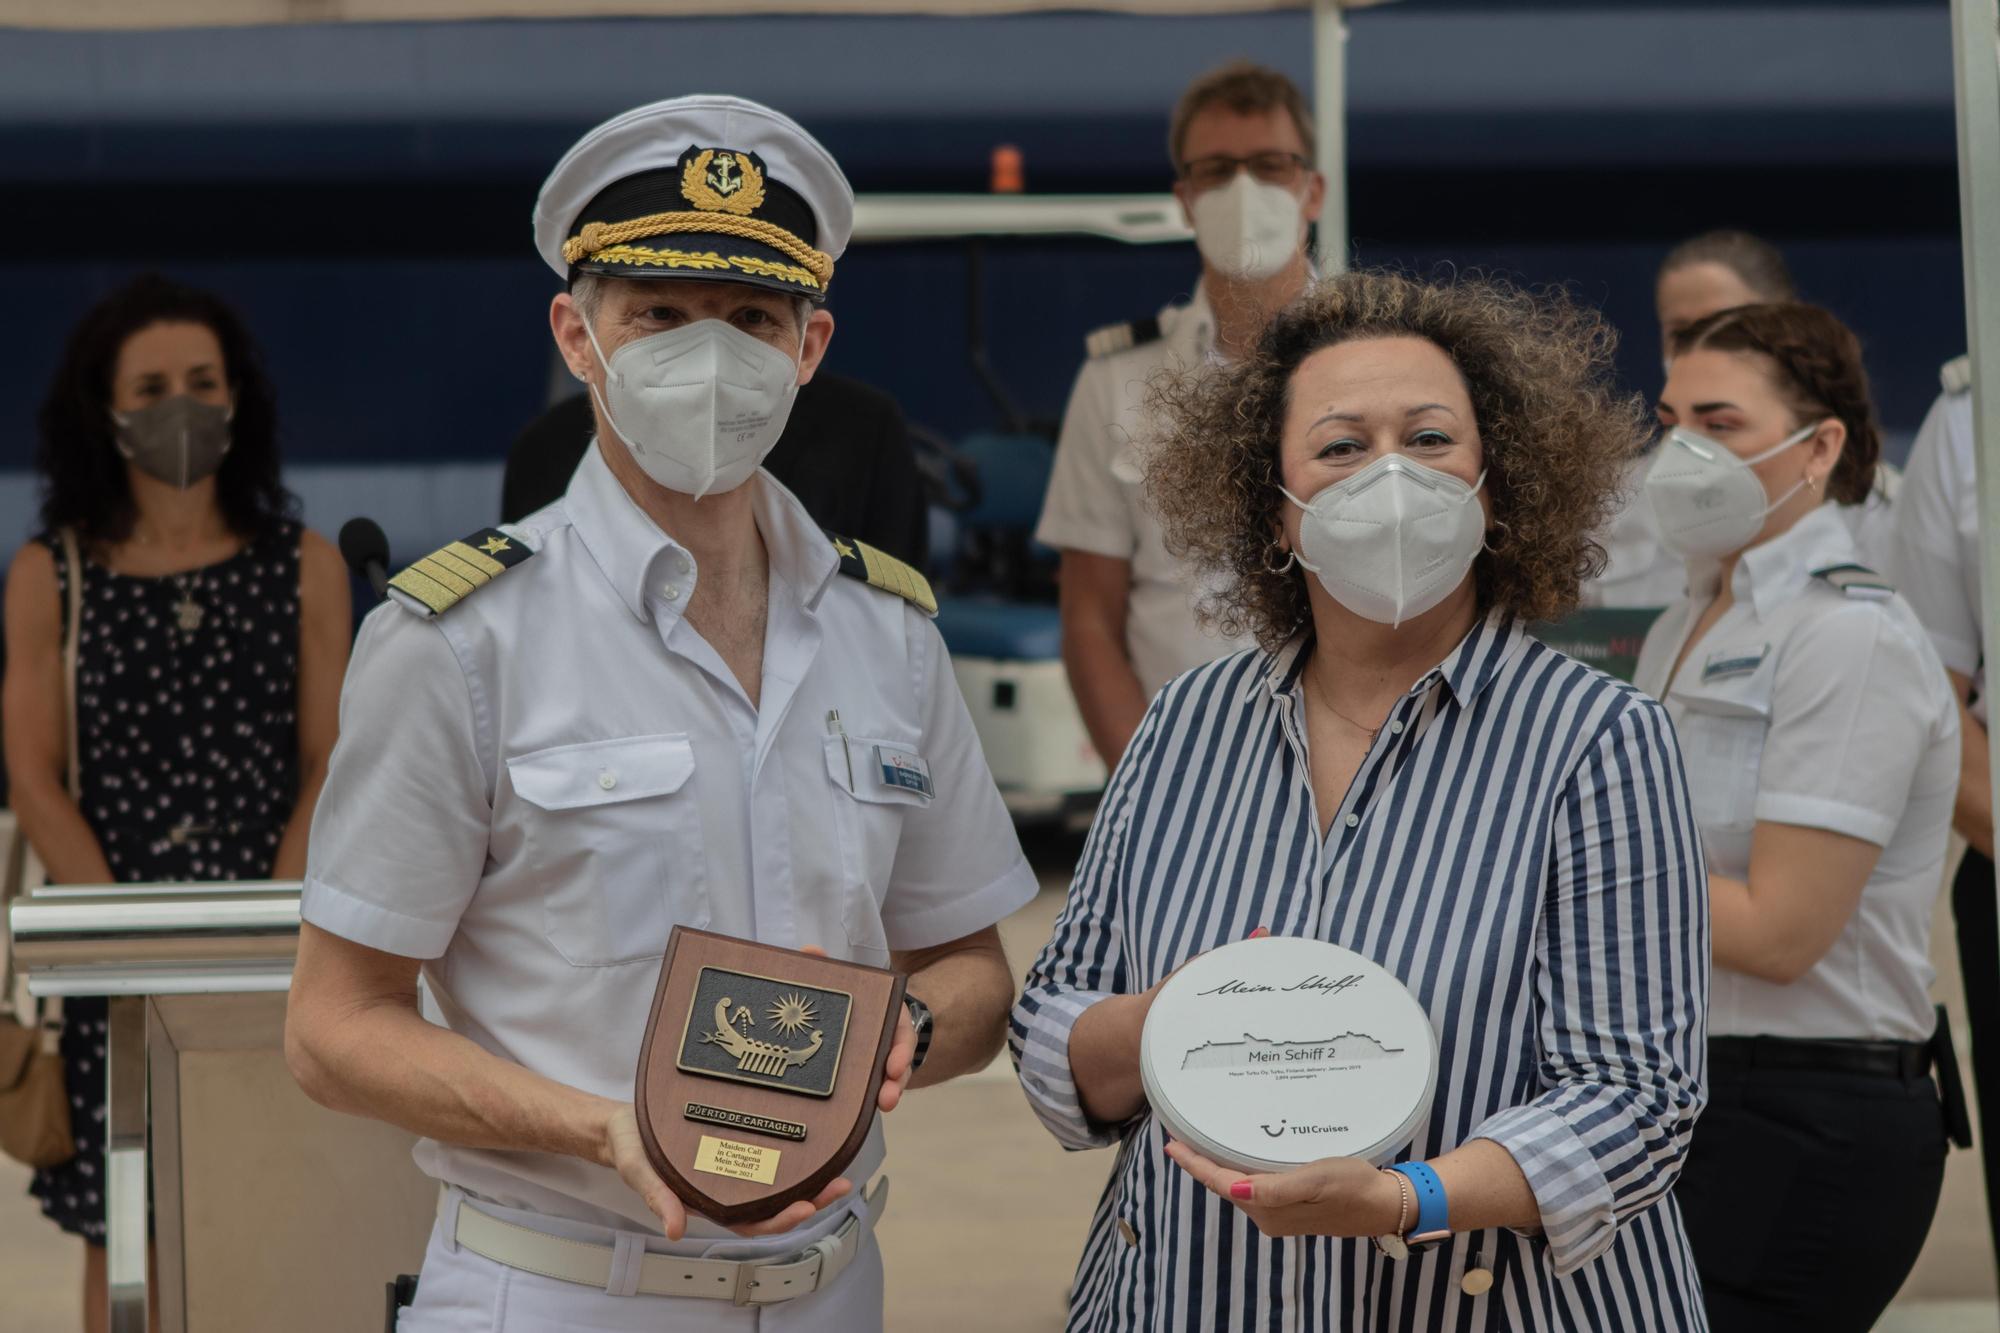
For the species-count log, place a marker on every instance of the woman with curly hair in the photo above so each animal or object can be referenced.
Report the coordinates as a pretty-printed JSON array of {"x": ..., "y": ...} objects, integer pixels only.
[
  {"x": 202, "y": 631},
  {"x": 1821, "y": 734},
  {"x": 1398, "y": 479}
]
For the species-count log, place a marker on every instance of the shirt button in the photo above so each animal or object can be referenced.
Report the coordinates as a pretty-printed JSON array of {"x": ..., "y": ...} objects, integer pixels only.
[
  {"x": 672, "y": 592},
  {"x": 1126, "y": 1233},
  {"x": 1352, "y": 820},
  {"x": 607, "y": 779},
  {"x": 681, "y": 563},
  {"x": 1476, "y": 1282},
  {"x": 1396, "y": 728}
]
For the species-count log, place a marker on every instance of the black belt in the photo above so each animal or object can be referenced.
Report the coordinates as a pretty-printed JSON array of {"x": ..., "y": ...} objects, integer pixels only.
[
  {"x": 1882, "y": 1059},
  {"x": 1906, "y": 1060}
]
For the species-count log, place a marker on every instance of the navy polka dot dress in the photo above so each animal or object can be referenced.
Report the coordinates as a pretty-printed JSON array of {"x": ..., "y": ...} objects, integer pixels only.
[{"x": 187, "y": 724}]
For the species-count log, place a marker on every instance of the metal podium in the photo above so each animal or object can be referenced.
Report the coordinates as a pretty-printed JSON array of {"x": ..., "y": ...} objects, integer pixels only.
[{"x": 269, "y": 1211}]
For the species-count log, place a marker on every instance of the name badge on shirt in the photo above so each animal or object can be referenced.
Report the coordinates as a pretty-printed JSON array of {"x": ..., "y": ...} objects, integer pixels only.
[
  {"x": 900, "y": 768},
  {"x": 1727, "y": 662}
]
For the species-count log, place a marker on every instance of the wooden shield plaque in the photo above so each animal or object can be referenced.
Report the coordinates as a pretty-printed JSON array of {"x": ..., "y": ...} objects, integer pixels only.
[{"x": 760, "y": 1071}]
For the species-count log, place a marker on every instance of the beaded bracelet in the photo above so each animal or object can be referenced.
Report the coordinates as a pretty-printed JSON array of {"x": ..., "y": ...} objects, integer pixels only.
[{"x": 1392, "y": 1245}]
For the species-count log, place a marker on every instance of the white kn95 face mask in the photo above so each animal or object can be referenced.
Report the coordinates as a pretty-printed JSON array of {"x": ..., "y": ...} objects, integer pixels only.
[
  {"x": 1705, "y": 499},
  {"x": 1248, "y": 228},
  {"x": 1393, "y": 540},
  {"x": 699, "y": 406}
]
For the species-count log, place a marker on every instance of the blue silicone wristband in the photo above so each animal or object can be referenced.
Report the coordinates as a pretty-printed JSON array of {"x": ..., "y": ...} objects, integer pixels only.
[{"x": 1433, "y": 1214}]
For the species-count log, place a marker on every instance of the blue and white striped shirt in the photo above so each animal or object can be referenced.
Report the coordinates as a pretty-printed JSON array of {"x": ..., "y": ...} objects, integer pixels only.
[{"x": 1519, "y": 848}]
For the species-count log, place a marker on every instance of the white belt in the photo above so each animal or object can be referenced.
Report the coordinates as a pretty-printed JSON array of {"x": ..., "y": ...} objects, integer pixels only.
[{"x": 742, "y": 1282}]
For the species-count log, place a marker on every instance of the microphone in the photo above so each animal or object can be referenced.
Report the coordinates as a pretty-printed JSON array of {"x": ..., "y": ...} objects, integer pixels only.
[{"x": 365, "y": 548}]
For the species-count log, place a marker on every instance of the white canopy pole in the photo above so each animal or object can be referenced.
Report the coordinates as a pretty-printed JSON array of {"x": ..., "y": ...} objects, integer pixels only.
[
  {"x": 1329, "y": 22},
  {"x": 1975, "y": 43}
]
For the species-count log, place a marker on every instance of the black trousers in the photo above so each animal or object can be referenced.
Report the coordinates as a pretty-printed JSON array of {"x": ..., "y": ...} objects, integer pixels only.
[
  {"x": 1807, "y": 1196},
  {"x": 1977, "y": 915}
]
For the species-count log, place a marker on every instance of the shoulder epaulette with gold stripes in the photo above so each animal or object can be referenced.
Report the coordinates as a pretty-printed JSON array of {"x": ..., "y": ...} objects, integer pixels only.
[
  {"x": 450, "y": 574},
  {"x": 1857, "y": 581},
  {"x": 859, "y": 560}
]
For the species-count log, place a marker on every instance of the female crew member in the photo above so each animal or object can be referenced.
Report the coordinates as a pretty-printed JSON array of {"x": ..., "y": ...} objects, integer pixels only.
[
  {"x": 1703, "y": 274},
  {"x": 1821, "y": 742},
  {"x": 1394, "y": 481}
]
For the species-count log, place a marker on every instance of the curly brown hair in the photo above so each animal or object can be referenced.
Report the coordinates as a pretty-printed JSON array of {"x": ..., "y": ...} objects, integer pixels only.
[
  {"x": 1814, "y": 361},
  {"x": 1557, "y": 436}
]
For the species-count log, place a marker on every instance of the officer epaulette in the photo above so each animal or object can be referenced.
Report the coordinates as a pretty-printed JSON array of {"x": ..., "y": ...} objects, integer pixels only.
[
  {"x": 859, "y": 560},
  {"x": 1857, "y": 581},
  {"x": 1956, "y": 374},
  {"x": 1118, "y": 337},
  {"x": 450, "y": 574}
]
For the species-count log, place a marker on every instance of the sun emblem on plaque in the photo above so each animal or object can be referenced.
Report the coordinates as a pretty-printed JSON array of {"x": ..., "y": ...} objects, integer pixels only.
[
  {"x": 717, "y": 180},
  {"x": 792, "y": 1014},
  {"x": 762, "y": 1057}
]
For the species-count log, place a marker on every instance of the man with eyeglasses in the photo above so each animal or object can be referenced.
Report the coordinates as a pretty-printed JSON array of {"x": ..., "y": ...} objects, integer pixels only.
[{"x": 1242, "y": 145}]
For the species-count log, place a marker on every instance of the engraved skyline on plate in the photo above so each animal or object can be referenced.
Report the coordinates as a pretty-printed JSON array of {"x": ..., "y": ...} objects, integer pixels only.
[{"x": 1259, "y": 1052}]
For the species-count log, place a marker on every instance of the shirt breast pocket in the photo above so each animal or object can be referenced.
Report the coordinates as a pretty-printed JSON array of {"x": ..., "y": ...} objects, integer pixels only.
[
  {"x": 614, "y": 838},
  {"x": 869, "y": 811},
  {"x": 1722, "y": 733}
]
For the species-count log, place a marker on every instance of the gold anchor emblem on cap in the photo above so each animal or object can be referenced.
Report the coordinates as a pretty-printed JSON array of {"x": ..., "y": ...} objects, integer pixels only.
[{"x": 717, "y": 180}]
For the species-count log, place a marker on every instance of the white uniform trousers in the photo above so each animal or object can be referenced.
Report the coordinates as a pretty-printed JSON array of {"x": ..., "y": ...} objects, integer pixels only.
[{"x": 462, "y": 1292}]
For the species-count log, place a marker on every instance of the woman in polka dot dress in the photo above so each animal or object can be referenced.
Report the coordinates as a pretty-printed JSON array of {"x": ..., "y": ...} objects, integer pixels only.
[{"x": 211, "y": 641}]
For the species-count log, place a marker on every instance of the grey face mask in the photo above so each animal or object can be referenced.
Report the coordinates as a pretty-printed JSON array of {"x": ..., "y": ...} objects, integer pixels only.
[{"x": 180, "y": 441}]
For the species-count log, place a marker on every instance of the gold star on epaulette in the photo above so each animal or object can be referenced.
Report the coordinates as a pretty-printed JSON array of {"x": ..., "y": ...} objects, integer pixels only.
[{"x": 859, "y": 560}]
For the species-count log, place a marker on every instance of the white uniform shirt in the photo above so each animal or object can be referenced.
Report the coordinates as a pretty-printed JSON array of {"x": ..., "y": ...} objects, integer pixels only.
[
  {"x": 1938, "y": 540},
  {"x": 1809, "y": 706},
  {"x": 1641, "y": 572},
  {"x": 533, "y": 788},
  {"x": 1096, "y": 500}
]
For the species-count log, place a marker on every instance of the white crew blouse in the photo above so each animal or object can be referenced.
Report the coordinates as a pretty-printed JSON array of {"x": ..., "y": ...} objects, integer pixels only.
[{"x": 1826, "y": 709}]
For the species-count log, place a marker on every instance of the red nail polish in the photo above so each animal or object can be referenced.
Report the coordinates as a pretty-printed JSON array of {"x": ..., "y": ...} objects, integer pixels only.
[
  {"x": 1239, "y": 1189},
  {"x": 1260, "y": 932}
]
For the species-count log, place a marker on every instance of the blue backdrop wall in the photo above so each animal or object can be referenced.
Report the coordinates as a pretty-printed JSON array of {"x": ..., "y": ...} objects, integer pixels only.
[{"x": 363, "y": 191}]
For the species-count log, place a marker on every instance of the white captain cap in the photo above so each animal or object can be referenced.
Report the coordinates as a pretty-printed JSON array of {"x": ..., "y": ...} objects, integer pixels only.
[{"x": 706, "y": 187}]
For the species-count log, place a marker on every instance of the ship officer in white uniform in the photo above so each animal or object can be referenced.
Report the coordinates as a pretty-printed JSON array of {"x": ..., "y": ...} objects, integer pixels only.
[
  {"x": 1242, "y": 146},
  {"x": 1821, "y": 740},
  {"x": 668, "y": 698},
  {"x": 1938, "y": 569}
]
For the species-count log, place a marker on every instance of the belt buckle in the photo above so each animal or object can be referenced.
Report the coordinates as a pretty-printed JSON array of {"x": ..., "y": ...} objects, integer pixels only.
[{"x": 746, "y": 1281}]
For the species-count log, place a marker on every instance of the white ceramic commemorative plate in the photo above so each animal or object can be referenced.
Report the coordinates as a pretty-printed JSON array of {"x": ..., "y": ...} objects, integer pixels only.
[{"x": 1269, "y": 1053}]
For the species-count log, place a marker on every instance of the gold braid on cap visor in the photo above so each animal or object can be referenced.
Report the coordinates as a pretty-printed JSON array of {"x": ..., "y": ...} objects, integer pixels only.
[{"x": 597, "y": 236}]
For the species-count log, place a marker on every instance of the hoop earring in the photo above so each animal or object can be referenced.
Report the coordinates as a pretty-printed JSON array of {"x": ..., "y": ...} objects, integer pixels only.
[
  {"x": 1291, "y": 560},
  {"x": 1486, "y": 540}
]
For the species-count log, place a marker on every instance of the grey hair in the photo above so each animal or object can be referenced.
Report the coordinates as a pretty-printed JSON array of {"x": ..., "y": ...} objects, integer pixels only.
[{"x": 587, "y": 290}]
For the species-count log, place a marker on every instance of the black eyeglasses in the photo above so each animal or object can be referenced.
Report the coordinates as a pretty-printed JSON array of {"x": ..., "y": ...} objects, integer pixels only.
[{"x": 1208, "y": 173}]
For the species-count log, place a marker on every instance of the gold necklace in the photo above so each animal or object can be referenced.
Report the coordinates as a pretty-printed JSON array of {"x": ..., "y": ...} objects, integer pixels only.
[{"x": 1313, "y": 687}]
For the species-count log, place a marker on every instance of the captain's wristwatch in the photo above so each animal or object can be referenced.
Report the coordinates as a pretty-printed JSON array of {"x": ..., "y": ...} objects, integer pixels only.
[{"x": 920, "y": 1019}]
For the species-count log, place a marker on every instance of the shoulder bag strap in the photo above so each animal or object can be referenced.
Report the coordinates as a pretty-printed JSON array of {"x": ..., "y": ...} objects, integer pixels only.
[{"x": 72, "y": 631}]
